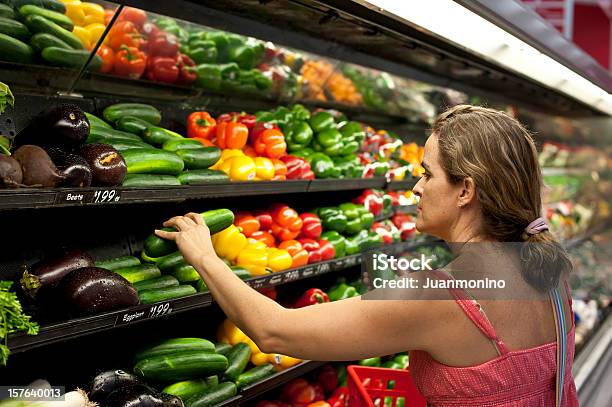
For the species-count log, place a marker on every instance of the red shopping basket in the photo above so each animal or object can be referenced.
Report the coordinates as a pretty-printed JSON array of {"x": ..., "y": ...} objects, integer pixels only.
[{"x": 370, "y": 387}]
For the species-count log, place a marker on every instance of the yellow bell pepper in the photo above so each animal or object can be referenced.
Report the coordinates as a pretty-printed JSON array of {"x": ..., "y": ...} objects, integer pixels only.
[
  {"x": 229, "y": 242},
  {"x": 94, "y": 13},
  {"x": 83, "y": 35},
  {"x": 225, "y": 154},
  {"x": 230, "y": 333},
  {"x": 264, "y": 168},
  {"x": 252, "y": 345},
  {"x": 74, "y": 11},
  {"x": 241, "y": 168},
  {"x": 278, "y": 259},
  {"x": 257, "y": 244},
  {"x": 95, "y": 32},
  {"x": 254, "y": 259},
  {"x": 283, "y": 361},
  {"x": 260, "y": 358}
]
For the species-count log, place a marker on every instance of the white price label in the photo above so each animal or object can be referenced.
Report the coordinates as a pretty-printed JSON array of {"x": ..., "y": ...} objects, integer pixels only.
[{"x": 106, "y": 196}]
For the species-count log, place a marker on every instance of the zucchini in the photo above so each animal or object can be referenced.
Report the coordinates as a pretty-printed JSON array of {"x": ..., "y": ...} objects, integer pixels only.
[
  {"x": 14, "y": 29},
  {"x": 241, "y": 272},
  {"x": 202, "y": 177},
  {"x": 148, "y": 259},
  {"x": 176, "y": 345},
  {"x": 171, "y": 261},
  {"x": 159, "y": 135},
  {"x": 222, "y": 348},
  {"x": 149, "y": 180},
  {"x": 213, "y": 396},
  {"x": 94, "y": 121},
  {"x": 13, "y": 50},
  {"x": 122, "y": 145},
  {"x": 138, "y": 273},
  {"x": 58, "y": 18},
  {"x": 216, "y": 220},
  {"x": 182, "y": 144},
  {"x": 118, "y": 262},
  {"x": 38, "y": 24},
  {"x": 237, "y": 360},
  {"x": 201, "y": 158},
  {"x": 165, "y": 294},
  {"x": 186, "y": 273},
  {"x": 189, "y": 388},
  {"x": 145, "y": 112},
  {"x": 181, "y": 366},
  {"x": 155, "y": 283},
  {"x": 152, "y": 161},
  {"x": 46, "y": 4},
  {"x": 71, "y": 58},
  {"x": 102, "y": 133},
  {"x": 201, "y": 286},
  {"x": 41, "y": 41},
  {"x": 6, "y": 11},
  {"x": 255, "y": 375},
  {"x": 132, "y": 125}
]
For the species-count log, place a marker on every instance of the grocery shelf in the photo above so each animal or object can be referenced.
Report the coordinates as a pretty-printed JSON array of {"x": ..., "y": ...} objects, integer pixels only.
[
  {"x": 578, "y": 240},
  {"x": 402, "y": 185}
]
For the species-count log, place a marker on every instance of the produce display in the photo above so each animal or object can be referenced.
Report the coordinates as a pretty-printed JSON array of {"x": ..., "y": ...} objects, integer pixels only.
[{"x": 13, "y": 319}]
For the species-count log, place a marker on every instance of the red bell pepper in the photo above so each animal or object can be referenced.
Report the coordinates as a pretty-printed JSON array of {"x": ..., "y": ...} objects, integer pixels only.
[
  {"x": 286, "y": 223},
  {"x": 134, "y": 15},
  {"x": 186, "y": 67},
  {"x": 372, "y": 201},
  {"x": 200, "y": 125},
  {"x": 327, "y": 250},
  {"x": 274, "y": 403},
  {"x": 298, "y": 391},
  {"x": 264, "y": 218},
  {"x": 150, "y": 30},
  {"x": 405, "y": 224},
  {"x": 328, "y": 377},
  {"x": 163, "y": 69},
  {"x": 319, "y": 396},
  {"x": 280, "y": 169},
  {"x": 163, "y": 44},
  {"x": 297, "y": 168},
  {"x": 337, "y": 402},
  {"x": 312, "y": 297},
  {"x": 313, "y": 249},
  {"x": 311, "y": 228},
  {"x": 269, "y": 292},
  {"x": 247, "y": 222},
  {"x": 248, "y": 120},
  {"x": 130, "y": 62},
  {"x": 231, "y": 134},
  {"x": 339, "y": 397},
  {"x": 299, "y": 255},
  {"x": 263, "y": 236},
  {"x": 382, "y": 231},
  {"x": 108, "y": 58},
  {"x": 124, "y": 33}
]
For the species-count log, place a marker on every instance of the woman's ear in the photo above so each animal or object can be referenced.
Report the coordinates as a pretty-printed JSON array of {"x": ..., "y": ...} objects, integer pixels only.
[{"x": 468, "y": 192}]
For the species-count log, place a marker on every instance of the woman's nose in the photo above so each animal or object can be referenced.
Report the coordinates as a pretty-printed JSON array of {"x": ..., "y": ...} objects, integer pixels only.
[{"x": 418, "y": 188}]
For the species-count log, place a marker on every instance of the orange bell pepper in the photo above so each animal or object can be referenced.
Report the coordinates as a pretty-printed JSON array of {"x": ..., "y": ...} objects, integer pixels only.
[
  {"x": 247, "y": 222},
  {"x": 200, "y": 125},
  {"x": 108, "y": 58},
  {"x": 271, "y": 143},
  {"x": 299, "y": 255},
  {"x": 124, "y": 33},
  {"x": 249, "y": 151},
  {"x": 265, "y": 237},
  {"x": 286, "y": 223},
  {"x": 232, "y": 135}
]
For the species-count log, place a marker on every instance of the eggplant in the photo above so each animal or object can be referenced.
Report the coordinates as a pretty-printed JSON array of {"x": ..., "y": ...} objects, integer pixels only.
[
  {"x": 108, "y": 167},
  {"x": 37, "y": 167},
  {"x": 92, "y": 290},
  {"x": 140, "y": 396},
  {"x": 48, "y": 272},
  {"x": 107, "y": 382},
  {"x": 74, "y": 169},
  {"x": 64, "y": 125},
  {"x": 11, "y": 175}
]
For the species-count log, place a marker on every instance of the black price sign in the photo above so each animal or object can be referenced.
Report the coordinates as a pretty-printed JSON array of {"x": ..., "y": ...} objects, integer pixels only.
[
  {"x": 153, "y": 311},
  {"x": 292, "y": 275},
  {"x": 323, "y": 268},
  {"x": 98, "y": 196}
]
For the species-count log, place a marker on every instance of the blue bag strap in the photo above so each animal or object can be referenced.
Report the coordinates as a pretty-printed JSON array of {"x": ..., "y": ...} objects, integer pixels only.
[{"x": 561, "y": 342}]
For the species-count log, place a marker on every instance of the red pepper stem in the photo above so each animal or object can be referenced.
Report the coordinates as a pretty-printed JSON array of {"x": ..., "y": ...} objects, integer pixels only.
[{"x": 318, "y": 298}]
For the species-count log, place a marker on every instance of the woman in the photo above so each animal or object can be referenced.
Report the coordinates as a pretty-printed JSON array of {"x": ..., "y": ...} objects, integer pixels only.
[{"x": 481, "y": 185}]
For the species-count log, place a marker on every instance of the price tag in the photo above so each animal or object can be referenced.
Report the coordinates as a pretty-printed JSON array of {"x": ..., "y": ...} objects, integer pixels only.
[
  {"x": 309, "y": 272},
  {"x": 98, "y": 196},
  {"x": 323, "y": 268},
  {"x": 106, "y": 196},
  {"x": 292, "y": 275},
  {"x": 259, "y": 283},
  {"x": 275, "y": 280},
  {"x": 153, "y": 311}
]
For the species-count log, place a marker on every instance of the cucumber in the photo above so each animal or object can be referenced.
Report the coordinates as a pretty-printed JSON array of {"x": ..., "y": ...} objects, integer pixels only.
[
  {"x": 138, "y": 273},
  {"x": 155, "y": 283},
  {"x": 181, "y": 366},
  {"x": 202, "y": 177},
  {"x": 94, "y": 121},
  {"x": 237, "y": 360},
  {"x": 46, "y": 4},
  {"x": 152, "y": 161},
  {"x": 6, "y": 11},
  {"x": 201, "y": 158},
  {"x": 118, "y": 262},
  {"x": 216, "y": 220},
  {"x": 186, "y": 273},
  {"x": 145, "y": 112},
  {"x": 71, "y": 58},
  {"x": 189, "y": 388},
  {"x": 241, "y": 272},
  {"x": 132, "y": 125},
  {"x": 149, "y": 180},
  {"x": 122, "y": 145},
  {"x": 213, "y": 396},
  {"x": 222, "y": 348},
  {"x": 13, "y": 50},
  {"x": 201, "y": 286},
  {"x": 38, "y": 24},
  {"x": 58, "y": 18},
  {"x": 41, "y": 41},
  {"x": 254, "y": 375},
  {"x": 182, "y": 144},
  {"x": 102, "y": 133},
  {"x": 159, "y": 135},
  {"x": 170, "y": 262},
  {"x": 176, "y": 345},
  {"x": 14, "y": 29},
  {"x": 165, "y": 294},
  {"x": 148, "y": 259}
]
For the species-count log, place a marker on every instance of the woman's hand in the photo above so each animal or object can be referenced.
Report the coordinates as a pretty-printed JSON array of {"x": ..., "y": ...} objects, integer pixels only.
[{"x": 192, "y": 237}]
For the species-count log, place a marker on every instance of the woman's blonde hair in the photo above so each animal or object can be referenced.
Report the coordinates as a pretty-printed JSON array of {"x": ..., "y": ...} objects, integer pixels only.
[{"x": 499, "y": 154}]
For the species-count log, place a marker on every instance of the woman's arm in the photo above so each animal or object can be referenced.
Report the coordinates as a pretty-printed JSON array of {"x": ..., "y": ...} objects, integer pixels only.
[{"x": 345, "y": 330}]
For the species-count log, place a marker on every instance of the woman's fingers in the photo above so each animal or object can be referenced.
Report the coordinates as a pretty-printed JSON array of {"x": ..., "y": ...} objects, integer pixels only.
[
  {"x": 180, "y": 222},
  {"x": 172, "y": 221},
  {"x": 196, "y": 217},
  {"x": 166, "y": 235}
]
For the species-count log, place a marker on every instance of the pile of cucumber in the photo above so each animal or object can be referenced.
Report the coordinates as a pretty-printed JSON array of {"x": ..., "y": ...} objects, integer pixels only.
[
  {"x": 39, "y": 29},
  {"x": 154, "y": 156}
]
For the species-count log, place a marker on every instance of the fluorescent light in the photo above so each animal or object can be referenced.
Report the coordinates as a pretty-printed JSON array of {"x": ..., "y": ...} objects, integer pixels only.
[{"x": 470, "y": 31}]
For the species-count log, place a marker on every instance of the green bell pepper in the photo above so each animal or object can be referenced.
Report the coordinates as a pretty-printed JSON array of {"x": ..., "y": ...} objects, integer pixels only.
[
  {"x": 208, "y": 76},
  {"x": 322, "y": 121},
  {"x": 262, "y": 81},
  {"x": 351, "y": 245},
  {"x": 332, "y": 218},
  {"x": 199, "y": 35},
  {"x": 341, "y": 291},
  {"x": 353, "y": 131},
  {"x": 282, "y": 115},
  {"x": 220, "y": 39},
  {"x": 359, "y": 218},
  {"x": 329, "y": 138},
  {"x": 299, "y": 112},
  {"x": 229, "y": 71},
  {"x": 337, "y": 240},
  {"x": 348, "y": 147},
  {"x": 323, "y": 166},
  {"x": 203, "y": 51},
  {"x": 304, "y": 153},
  {"x": 391, "y": 364},
  {"x": 403, "y": 360},
  {"x": 342, "y": 375},
  {"x": 372, "y": 362},
  {"x": 350, "y": 210},
  {"x": 264, "y": 116},
  {"x": 298, "y": 135}
]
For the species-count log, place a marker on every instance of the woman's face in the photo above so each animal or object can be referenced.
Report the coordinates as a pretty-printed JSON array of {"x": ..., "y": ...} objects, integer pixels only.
[{"x": 438, "y": 207}]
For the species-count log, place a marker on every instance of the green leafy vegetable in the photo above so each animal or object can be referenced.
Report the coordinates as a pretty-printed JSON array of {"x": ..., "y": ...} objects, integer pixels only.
[
  {"x": 12, "y": 319},
  {"x": 6, "y": 97}
]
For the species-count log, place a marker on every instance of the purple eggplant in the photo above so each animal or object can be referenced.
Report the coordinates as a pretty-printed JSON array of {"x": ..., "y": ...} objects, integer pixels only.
[
  {"x": 92, "y": 290},
  {"x": 74, "y": 169},
  {"x": 140, "y": 396},
  {"x": 48, "y": 272},
  {"x": 65, "y": 125},
  {"x": 107, "y": 382}
]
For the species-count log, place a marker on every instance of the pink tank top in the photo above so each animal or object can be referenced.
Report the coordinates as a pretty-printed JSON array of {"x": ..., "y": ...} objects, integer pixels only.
[{"x": 521, "y": 378}]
